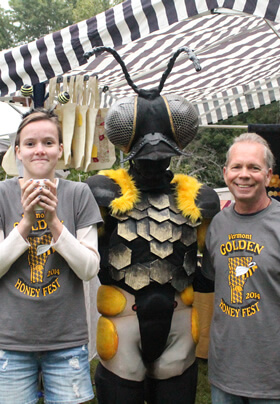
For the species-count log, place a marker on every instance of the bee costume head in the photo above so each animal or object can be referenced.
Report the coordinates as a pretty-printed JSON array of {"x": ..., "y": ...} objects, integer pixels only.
[{"x": 150, "y": 126}]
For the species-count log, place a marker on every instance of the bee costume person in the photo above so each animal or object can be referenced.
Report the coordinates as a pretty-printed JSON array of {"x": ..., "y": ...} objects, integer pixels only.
[{"x": 154, "y": 221}]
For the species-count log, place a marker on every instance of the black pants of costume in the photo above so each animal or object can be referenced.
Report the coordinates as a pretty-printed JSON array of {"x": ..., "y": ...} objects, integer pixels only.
[
  {"x": 176, "y": 390},
  {"x": 112, "y": 389}
]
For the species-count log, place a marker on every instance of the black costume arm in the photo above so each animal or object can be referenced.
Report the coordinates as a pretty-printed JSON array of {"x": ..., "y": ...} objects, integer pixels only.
[
  {"x": 201, "y": 283},
  {"x": 104, "y": 189},
  {"x": 208, "y": 202}
]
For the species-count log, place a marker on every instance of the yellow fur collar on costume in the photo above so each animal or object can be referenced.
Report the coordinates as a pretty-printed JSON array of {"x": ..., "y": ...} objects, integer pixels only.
[
  {"x": 130, "y": 194},
  {"x": 187, "y": 189}
]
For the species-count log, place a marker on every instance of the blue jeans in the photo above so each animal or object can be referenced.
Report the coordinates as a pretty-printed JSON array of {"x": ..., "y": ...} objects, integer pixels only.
[
  {"x": 221, "y": 397},
  {"x": 65, "y": 372}
]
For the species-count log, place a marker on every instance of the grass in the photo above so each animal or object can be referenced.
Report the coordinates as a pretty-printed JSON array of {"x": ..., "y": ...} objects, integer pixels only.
[
  {"x": 203, "y": 393},
  {"x": 203, "y": 387}
]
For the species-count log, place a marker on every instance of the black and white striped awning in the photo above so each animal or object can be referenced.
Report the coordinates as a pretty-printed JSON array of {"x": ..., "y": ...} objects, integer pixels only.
[{"x": 236, "y": 41}]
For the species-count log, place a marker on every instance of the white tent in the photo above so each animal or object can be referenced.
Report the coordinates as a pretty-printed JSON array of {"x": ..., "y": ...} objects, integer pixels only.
[
  {"x": 237, "y": 43},
  {"x": 10, "y": 119},
  {"x": 239, "y": 56}
]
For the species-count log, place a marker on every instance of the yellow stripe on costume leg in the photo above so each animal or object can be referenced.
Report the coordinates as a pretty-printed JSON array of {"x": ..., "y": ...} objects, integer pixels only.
[
  {"x": 195, "y": 325},
  {"x": 106, "y": 339},
  {"x": 187, "y": 296},
  {"x": 201, "y": 234},
  {"x": 110, "y": 301}
]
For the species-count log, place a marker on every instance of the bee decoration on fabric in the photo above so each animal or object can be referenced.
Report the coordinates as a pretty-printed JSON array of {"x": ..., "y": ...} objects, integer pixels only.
[
  {"x": 28, "y": 91},
  {"x": 154, "y": 223}
]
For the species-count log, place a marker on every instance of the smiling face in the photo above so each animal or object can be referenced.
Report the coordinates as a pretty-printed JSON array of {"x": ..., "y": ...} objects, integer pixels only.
[
  {"x": 247, "y": 175},
  {"x": 39, "y": 149}
]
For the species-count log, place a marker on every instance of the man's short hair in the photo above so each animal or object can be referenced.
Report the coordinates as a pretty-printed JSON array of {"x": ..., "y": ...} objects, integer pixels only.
[{"x": 254, "y": 138}]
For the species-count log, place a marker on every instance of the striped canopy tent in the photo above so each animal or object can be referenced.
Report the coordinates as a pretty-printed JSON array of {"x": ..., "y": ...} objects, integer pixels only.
[{"x": 237, "y": 43}]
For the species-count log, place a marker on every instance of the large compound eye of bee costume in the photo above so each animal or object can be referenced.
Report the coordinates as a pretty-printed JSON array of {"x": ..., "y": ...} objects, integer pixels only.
[{"x": 151, "y": 126}]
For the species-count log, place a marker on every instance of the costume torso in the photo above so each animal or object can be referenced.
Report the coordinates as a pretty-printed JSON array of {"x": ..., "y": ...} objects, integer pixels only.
[
  {"x": 149, "y": 236},
  {"x": 150, "y": 244}
]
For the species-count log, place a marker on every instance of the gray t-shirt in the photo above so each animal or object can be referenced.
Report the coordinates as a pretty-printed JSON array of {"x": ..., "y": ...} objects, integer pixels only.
[
  {"x": 41, "y": 298},
  {"x": 244, "y": 354}
]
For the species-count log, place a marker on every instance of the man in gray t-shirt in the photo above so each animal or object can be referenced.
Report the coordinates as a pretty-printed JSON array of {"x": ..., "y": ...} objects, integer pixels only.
[{"x": 242, "y": 257}]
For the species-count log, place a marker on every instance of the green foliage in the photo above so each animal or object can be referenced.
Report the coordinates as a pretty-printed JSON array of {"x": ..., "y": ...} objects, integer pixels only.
[
  {"x": 79, "y": 176},
  {"x": 3, "y": 175},
  {"x": 27, "y": 20},
  {"x": 119, "y": 161},
  {"x": 32, "y": 19},
  {"x": 207, "y": 152},
  {"x": 6, "y": 41},
  {"x": 268, "y": 114},
  {"x": 202, "y": 161},
  {"x": 203, "y": 394},
  {"x": 85, "y": 9}
]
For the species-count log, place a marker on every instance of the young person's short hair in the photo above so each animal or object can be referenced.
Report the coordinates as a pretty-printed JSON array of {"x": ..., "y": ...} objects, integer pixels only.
[{"x": 39, "y": 114}]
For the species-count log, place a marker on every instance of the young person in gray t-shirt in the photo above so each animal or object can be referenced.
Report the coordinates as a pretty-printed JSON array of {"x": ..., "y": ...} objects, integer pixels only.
[
  {"x": 243, "y": 243},
  {"x": 48, "y": 246}
]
